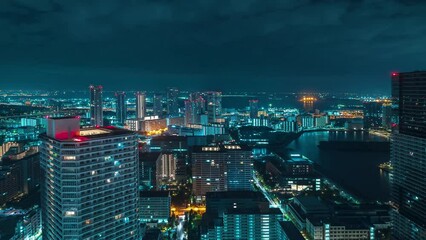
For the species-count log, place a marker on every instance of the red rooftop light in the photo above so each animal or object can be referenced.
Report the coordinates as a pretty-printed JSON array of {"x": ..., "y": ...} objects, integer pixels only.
[{"x": 394, "y": 74}]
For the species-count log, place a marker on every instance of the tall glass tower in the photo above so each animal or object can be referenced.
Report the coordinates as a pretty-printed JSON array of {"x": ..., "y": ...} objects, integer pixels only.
[
  {"x": 140, "y": 105},
  {"x": 120, "y": 107},
  {"x": 408, "y": 155},
  {"x": 172, "y": 102},
  {"x": 96, "y": 111},
  {"x": 90, "y": 185}
]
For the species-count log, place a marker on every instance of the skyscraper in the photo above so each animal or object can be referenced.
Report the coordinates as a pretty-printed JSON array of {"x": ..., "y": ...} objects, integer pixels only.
[
  {"x": 172, "y": 102},
  {"x": 373, "y": 114},
  {"x": 157, "y": 107},
  {"x": 90, "y": 185},
  {"x": 214, "y": 105},
  {"x": 254, "y": 108},
  {"x": 408, "y": 156},
  {"x": 140, "y": 105},
  {"x": 221, "y": 168},
  {"x": 120, "y": 108},
  {"x": 96, "y": 111},
  {"x": 194, "y": 108}
]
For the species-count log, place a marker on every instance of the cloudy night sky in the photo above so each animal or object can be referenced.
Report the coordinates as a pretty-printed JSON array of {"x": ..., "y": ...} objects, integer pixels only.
[{"x": 250, "y": 45}]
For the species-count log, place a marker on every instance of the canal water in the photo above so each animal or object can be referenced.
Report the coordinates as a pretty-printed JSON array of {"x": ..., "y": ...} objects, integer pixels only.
[{"x": 356, "y": 171}]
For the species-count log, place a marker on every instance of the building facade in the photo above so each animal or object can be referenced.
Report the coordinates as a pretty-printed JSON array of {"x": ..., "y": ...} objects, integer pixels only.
[
  {"x": 408, "y": 156},
  {"x": 140, "y": 105},
  {"x": 90, "y": 187},
  {"x": 221, "y": 168},
  {"x": 96, "y": 106},
  {"x": 120, "y": 108}
]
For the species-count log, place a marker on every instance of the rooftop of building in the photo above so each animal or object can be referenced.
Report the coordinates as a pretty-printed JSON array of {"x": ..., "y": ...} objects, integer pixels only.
[
  {"x": 291, "y": 231},
  {"x": 234, "y": 194},
  {"x": 298, "y": 158},
  {"x": 254, "y": 211},
  {"x": 220, "y": 148},
  {"x": 154, "y": 194},
  {"x": 67, "y": 129}
]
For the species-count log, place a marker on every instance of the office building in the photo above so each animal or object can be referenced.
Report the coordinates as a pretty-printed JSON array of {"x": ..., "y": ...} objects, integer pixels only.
[
  {"x": 155, "y": 206},
  {"x": 221, "y": 168},
  {"x": 121, "y": 108},
  {"x": 157, "y": 105},
  {"x": 148, "y": 170},
  {"x": 387, "y": 115},
  {"x": 172, "y": 102},
  {"x": 166, "y": 170},
  {"x": 408, "y": 156},
  {"x": 194, "y": 109},
  {"x": 254, "y": 108},
  {"x": 96, "y": 106},
  {"x": 140, "y": 105},
  {"x": 213, "y": 105},
  {"x": 19, "y": 174},
  {"x": 239, "y": 215},
  {"x": 320, "y": 221},
  {"x": 372, "y": 114},
  {"x": 90, "y": 187}
]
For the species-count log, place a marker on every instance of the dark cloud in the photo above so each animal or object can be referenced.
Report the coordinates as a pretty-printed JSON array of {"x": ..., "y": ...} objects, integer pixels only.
[{"x": 240, "y": 44}]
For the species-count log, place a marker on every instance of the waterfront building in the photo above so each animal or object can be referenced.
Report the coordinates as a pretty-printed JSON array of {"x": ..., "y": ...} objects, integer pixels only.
[
  {"x": 121, "y": 108},
  {"x": 140, "y": 105},
  {"x": 96, "y": 106},
  {"x": 408, "y": 156},
  {"x": 373, "y": 114},
  {"x": 90, "y": 186},
  {"x": 155, "y": 206},
  {"x": 221, "y": 168},
  {"x": 305, "y": 121}
]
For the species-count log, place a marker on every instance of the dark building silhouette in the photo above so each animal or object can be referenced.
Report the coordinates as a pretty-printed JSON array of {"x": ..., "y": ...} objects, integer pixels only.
[{"x": 408, "y": 156}]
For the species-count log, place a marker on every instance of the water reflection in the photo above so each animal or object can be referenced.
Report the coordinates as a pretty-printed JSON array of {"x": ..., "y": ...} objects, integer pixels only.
[{"x": 356, "y": 171}]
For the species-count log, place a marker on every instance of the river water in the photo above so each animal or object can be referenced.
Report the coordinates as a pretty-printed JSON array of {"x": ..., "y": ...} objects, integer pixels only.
[{"x": 356, "y": 171}]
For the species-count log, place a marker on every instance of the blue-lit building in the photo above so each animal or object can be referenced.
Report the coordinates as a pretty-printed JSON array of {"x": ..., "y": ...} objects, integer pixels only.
[
  {"x": 221, "y": 168},
  {"x": 239, "y": 215},
  {"x": 90, "y": 187}
]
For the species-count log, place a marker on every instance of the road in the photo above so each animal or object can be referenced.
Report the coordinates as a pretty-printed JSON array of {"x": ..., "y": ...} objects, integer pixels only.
[{"x": 265, "y": 192}]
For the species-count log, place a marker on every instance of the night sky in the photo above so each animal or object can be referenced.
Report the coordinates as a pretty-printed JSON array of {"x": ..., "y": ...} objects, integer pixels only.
[{"x": 250, "y": 45}]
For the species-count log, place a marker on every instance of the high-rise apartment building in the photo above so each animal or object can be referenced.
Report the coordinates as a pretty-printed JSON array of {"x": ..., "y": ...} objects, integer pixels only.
[
  {"x": 221, "y": 168},
  {"x": 140, "y": 105},
  {"x": 120, "y": 107},
  {"x": 373, "y": 114},
  {"x": 157, "y": 105},
  {"x": 172, "y": 102},
  {"x": 213, "y": 105},
  {"x": 90, "y": 186},
  {"x": 254, "y": 108},
  {"x": 408, "y": 156},
  {"x": 96, "y": 106},
  {"x": 194, "y": 108}
]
